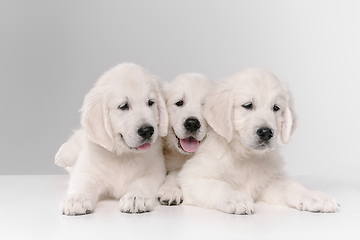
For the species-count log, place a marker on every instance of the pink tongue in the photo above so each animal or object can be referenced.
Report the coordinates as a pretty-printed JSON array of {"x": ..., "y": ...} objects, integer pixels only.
[
  {"x": 144, "y": 147},
  {"x": 189, "y": 144}
]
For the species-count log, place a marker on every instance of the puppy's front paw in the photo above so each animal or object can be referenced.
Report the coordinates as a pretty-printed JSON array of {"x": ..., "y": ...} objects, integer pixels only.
[
  {"x": 77, "y": 205},
  {"x": 136, "y": 203},
  {"x": 170, "y": 195},
  {"x": 314, "y": 201},
  {"x": 238, "y": 203}
]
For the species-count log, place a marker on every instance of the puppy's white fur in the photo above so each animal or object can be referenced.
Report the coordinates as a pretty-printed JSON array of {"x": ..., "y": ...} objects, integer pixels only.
[
  {"x": 103, "y": 157},
  {"x": 190, "y": 88},
  {"x": 233, "y": 167}
]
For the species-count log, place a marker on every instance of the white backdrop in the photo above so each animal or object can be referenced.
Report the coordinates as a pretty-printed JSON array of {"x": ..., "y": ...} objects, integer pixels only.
[{"x": 51, "y": 53}]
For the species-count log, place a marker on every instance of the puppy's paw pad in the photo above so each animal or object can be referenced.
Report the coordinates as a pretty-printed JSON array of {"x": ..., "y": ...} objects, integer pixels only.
[
  {"x": 77, "y": 205},
  {"x": 170, "y": 195}
]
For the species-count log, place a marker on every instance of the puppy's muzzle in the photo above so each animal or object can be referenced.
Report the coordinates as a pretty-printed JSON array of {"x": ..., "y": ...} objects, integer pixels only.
[
  {"x": 146, "y": 132},
  {"x": 265, "y": 134},
  {"x": 192, "y": 124}
]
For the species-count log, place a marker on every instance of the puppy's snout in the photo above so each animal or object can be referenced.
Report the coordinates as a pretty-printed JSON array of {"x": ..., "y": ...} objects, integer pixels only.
[
  {"x": 192, "y": 124},
  {"x": 265, "y": 134},
  {"x": 146, "y": 132}
]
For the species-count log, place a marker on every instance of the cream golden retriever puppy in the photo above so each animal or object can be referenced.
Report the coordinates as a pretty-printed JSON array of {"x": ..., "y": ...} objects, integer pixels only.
[
  {"x": 239, "y": 162},
  {"x": 185, "y": 97},
  {"x": 117, "y": 152}
]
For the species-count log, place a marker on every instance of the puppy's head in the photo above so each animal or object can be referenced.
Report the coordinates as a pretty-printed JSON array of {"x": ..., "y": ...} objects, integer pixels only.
[
  {"x": 253, "y": 107},
  {"x": 125, "y": 110},
  {"x": 185, "y": 103}
]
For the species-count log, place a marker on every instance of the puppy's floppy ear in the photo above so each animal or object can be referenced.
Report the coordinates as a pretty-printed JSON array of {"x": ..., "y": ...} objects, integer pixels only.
[
  {"x": 218, "y": 111},
  {"x": 289, "y": 121},
  {"x": 95, "y": 119},
  {"x": 163, "y": 115}
]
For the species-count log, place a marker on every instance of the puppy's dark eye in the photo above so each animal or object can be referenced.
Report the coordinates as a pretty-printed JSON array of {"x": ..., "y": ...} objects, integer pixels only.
[
  {"x": 276, "y": 108},
  {"x": 248, "y": 105},
  {"x": 123, "y": 107},
  {"x": 151, "y": 102},
  {"x": 179, "y": 103}
]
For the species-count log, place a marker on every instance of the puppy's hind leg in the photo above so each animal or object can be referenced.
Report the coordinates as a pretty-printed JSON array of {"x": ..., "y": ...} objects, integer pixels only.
[
  {"x": 68, "y": 153},
  {"x": 170, "y": 192},
  {"x": 292, "y": 194}
]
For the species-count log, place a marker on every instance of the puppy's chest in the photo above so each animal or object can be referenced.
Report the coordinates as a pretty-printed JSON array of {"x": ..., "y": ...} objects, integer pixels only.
[
  {"x": 251, "y": 177},
  {"x": 128, "y": 169},
  {"x": 120, "y": 173},
  {"x": 175, "y": 160}
]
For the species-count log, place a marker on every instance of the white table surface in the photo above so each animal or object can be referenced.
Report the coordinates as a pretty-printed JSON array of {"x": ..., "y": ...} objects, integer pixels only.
[{"x": 29, "y": 209}]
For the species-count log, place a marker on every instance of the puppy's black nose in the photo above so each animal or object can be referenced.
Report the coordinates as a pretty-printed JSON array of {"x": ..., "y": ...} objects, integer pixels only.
[
  {"x": 265, "y": 133},
  {"x": 146, "y": 132},
  {"x": 192, "y": 124}
]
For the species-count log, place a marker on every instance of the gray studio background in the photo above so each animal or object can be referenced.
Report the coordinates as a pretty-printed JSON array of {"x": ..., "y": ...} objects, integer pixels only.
[{"x": 52, "y": 52}]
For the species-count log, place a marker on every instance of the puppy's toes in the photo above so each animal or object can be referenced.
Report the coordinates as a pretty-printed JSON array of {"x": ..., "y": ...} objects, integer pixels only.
[
  {"x": 77, "y": 205},
  {"x": 315, "y": 201},
  {"x": 66, "y": 156},
  {"x": 60, "y": 161},
  {"x": 170, "y": 195},
  {"x": 238, "y": 203},
  {"x": 136, "y": 203}
]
